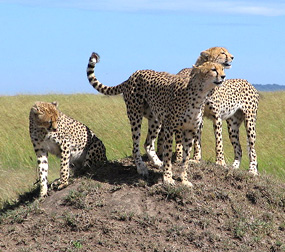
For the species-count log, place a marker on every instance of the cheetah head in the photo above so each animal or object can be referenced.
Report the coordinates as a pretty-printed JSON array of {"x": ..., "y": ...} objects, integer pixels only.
[
  {"x": 211, "y": 74},
  {"x": 46, "y": 115},
  {"x": 216, "y": 55}
]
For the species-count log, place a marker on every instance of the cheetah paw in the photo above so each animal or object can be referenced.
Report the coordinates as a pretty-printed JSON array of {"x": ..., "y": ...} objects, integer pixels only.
[
  {"x": 187, "y": 183},
  {"x": 158, "y": 163},
  {"x": 194, "y": 161},
  {"x": 253, "y": 172},
  {"x": 61, "y": 186},
  {"x": 58, "y": 185},
  {"x": 236, "y": 164},
  {"x": 221, "y": 162},
  {"x": 54, "y": 185},
  {"x": 168, "y": 181}
]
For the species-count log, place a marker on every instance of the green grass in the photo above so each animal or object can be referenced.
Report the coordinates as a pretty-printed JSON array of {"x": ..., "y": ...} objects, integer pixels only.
[
  {"x": 106, "y": 116},
  {"x": 270, "y": 143}
]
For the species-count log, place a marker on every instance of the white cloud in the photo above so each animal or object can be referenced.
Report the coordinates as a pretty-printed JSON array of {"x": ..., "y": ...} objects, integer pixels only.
[
  {"x": 272, "y": 8},
  {"x": 251, "y": 7}
]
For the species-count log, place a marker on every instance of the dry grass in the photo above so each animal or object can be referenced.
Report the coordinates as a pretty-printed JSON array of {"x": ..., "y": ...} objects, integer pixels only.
[{"x": 106, "y": 116}]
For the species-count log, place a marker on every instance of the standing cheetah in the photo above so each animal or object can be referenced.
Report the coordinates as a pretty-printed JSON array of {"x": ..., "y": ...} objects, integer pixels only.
[
  {"x": 235, "y": 101},
  {"x": 213, "y": 54},
  {"x": 54, "y": 132},
  {"x": 171, "y": 101}
]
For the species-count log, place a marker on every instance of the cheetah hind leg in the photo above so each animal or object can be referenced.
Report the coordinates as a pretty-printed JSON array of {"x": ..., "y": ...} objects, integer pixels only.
[
  {"x": 96, "y": 153},
  {"x": 136, "y": 133},
  {"x": 160, "y": 140},
  {"x": 234, "y": 123},
  {"x": 153, "y": 130},
  {"x": 250, "y": 124},
  {"x": 217, "y": 125}
]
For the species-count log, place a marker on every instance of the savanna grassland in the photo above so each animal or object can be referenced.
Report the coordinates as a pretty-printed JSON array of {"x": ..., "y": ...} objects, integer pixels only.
[
  {"x": 113, "y": 209},
  {"x": 106, "y": 116}
]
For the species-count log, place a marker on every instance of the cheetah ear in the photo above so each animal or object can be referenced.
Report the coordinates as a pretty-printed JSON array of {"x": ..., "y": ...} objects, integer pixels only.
[
  {"x": 194, "y": 66},
  {"x": 55, "y": 103},
  {"x": 36, "y": 110},
  {"x": 204, "y": 54}
]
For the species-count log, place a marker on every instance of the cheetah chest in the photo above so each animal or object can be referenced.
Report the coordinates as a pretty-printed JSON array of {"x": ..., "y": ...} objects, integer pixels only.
[
  {"x": 191, "y": 120},
  {"x": 55, "y": 146},
  {"x": 51, "y": 146}
]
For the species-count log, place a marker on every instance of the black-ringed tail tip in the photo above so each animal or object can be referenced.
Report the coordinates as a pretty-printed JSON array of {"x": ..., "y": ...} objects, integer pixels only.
[{"x": 95, "y": 57}]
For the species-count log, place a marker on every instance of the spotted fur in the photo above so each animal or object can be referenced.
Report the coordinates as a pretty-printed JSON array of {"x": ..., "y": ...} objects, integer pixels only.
[
  {"x": 235, "y": 101},
  {"x": 213, "y": 54},
  {"x": 53, "y": 132},
  {"x": 171, "y": 100}
]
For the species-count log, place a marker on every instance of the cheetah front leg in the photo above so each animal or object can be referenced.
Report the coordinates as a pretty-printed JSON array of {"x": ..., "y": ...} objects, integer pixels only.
[
  {"x": 178, "y": 141},
  {"x": 187, "y": 146},
  {"x": 197, "y": 156},
  {"x": 153, "y": 129},
  {"x": 217, "y": 124},
  {"x": 42, "y": 158},
  {"x": 167, "y": 154},
  {"x": 62, "y": 182}
]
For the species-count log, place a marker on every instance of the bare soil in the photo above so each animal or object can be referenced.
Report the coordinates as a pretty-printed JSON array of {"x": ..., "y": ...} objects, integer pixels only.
[{"x": 113, "y": 209}]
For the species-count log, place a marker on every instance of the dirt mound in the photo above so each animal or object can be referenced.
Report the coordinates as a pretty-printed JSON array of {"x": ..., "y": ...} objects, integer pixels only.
[{"x": 113, "y": 209}]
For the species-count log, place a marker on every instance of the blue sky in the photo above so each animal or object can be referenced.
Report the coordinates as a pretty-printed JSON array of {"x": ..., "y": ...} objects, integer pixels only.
[{"x": 45, "y": 44}]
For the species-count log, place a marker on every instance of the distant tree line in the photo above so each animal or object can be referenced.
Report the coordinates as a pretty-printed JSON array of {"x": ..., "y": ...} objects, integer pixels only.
[{"x": 269, "y": 87}]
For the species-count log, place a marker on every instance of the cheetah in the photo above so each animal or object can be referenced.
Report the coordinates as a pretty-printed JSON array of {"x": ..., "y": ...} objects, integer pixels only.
[
  {"x": 235, "y": 101},
  {"x": 53, "y": 132},
  {"x": 213, "y": 54},
  {"x": 171, "y": 101}
]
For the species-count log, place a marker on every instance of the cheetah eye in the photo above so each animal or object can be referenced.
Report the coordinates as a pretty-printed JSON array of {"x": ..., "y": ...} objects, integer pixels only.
[{"x": 214, "y": 69}]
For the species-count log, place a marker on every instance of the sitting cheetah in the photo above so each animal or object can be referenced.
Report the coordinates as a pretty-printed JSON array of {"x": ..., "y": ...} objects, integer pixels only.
[
  {"x": 54, "y": 132},
  {"x": 176, "y": 104},
  {"x": 235, "y": 101}
]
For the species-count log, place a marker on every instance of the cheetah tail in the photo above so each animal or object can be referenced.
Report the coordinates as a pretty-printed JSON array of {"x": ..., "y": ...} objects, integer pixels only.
[{"x": 95, "y": 58}]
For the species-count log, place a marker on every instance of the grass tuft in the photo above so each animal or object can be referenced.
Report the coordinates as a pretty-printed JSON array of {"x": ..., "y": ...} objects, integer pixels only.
[{"x": 77, "y": 198}]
